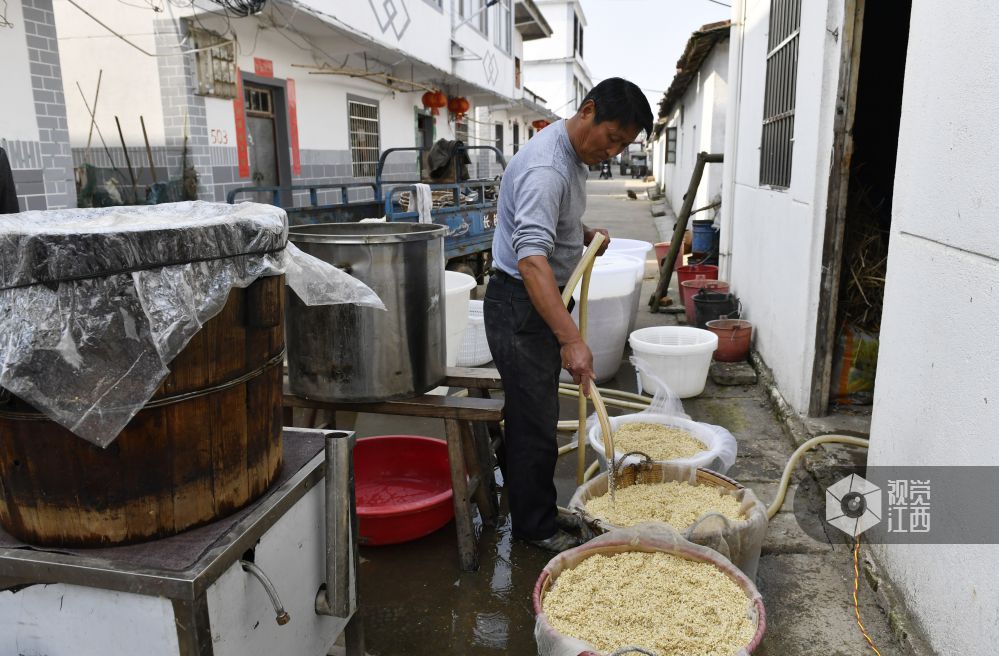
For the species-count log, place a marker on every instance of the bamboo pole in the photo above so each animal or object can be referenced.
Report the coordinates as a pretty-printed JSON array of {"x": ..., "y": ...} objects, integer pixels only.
[
  {"x": 128, "y": 162},
  {"x": 149, "y": 151},
  {"x": 93, "y": 119},
  {"x": 676, "y": 243}
]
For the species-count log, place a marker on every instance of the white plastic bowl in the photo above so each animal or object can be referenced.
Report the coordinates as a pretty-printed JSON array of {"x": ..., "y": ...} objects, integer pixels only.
[
  {"x": 610, "y": 309},
  {"x": 678, "y": 355},
  {"x": 712, "y": 457},
  {"x": 474, "y": 351},
  {"x": 457, "y": 290}
]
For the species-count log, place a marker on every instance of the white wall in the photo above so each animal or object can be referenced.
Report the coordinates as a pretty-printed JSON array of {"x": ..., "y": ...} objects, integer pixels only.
[
  {"x": 702, "y": 130},
  {"x": 416, "y": 28},
  {"x": 937, "y": 397},
  {"x": 130, "y": 83},
  {"x": 776, "y": 235},
  {"x": 558, "y": 14},
  {"x": 17, "y": 120}
]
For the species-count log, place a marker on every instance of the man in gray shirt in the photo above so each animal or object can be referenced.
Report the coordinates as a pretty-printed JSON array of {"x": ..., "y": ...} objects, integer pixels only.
[{"x": 538, "y": 241}]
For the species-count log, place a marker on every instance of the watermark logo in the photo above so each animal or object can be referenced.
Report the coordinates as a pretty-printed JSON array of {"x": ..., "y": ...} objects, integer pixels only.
[{"x": 853, "y": 504}]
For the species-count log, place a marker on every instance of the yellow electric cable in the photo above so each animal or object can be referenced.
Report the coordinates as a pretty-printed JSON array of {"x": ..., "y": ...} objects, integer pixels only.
[{"x": 856, "y": 604}]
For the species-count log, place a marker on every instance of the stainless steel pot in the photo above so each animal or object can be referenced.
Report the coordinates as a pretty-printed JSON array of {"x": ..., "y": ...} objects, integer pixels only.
[{"x": 353, "y": 354}]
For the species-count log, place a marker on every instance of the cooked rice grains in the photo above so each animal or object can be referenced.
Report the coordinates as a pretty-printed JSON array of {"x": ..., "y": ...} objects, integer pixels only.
[
  {"x": 657, "y": 441},
  {"x": 676, "y": 503},
  {"x": 665, "y": 603}
]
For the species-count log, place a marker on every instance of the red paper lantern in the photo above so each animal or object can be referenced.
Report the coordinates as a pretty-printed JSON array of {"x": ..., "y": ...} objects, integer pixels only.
[
  {"x": 434, "y": 100},
  {"x": 428, "y": 100},
  {"x": 458, "y": 106},
  {"x": 540, "y": 124}
]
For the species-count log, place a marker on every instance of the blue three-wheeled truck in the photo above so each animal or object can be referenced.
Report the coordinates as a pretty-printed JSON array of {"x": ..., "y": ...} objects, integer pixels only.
[{"x": 466, "y": 206}]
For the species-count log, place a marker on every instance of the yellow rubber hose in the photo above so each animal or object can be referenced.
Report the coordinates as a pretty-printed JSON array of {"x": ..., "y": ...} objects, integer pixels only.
[
  {"x": 785, "y": 479},
  {"x": 582, "y": 270}
]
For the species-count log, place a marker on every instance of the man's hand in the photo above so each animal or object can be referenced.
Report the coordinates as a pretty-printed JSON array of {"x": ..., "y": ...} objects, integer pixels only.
[
  {"x": 578, "y": 361},
  {"x": 588, "y": 237}
]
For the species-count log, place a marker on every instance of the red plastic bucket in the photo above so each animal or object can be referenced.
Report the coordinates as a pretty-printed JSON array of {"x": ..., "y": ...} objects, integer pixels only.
[
  {"x": 688, "y": 288},
  {"x": 734, "y": 337},
  {"x": 403, "y": 487},
  {"x": 694, "y": 272},
  {"x": 662, "y": 248}
]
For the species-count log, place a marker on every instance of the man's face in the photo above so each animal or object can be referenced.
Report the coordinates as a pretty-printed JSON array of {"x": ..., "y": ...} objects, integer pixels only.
[{"x": 603, "y": 140}]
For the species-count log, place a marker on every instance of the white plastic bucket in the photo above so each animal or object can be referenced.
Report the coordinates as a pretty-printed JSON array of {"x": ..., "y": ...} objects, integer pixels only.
[
  {"x": 474, "y": 351},
  {"x": 678, "y": 355},
  {"x": 457, "y": 290},
  {"x": 610, "y": 303}
]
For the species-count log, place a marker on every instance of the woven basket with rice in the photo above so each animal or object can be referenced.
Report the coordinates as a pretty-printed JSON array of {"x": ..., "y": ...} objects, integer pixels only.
[{"x": 706, "y": 507}]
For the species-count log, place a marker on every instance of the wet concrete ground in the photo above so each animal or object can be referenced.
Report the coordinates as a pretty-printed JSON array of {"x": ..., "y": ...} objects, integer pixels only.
[{"x": 416, "y": 602}]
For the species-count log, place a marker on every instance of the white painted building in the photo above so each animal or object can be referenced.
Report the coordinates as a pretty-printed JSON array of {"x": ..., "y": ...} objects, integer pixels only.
[
  {"x": 556, "y": 67},
  {"x": 692, "y": 118},
  {"x": 325, "y": 84},
  {"x": 935, "y": 402},
  {"x": 33, "y": 118},
  {"x": 775, "y": 198},
  {"x": 865, "y": 102}
]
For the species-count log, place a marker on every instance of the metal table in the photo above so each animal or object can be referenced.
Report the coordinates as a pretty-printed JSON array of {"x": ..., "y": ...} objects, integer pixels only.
[{"x": 278, "y": 577}]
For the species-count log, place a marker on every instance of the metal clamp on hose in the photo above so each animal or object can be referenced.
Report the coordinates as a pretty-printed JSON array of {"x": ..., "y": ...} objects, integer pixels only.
[{"x": 337, "y": 597}]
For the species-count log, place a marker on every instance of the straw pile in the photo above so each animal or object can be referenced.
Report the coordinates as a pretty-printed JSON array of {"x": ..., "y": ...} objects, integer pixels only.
[
  {"x": 865, "y": 260},
  {"x": 676, "y": 503},
  {"x": 659, "y": 442},
  {"x": 665, "y": 603}
]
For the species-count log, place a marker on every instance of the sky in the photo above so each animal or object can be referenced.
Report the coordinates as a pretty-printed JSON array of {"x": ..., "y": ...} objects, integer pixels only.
[{"x": 641, "y": 40}]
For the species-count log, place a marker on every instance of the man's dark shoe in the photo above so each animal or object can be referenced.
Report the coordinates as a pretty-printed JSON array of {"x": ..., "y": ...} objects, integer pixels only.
[{"x": 558, "y": 542}]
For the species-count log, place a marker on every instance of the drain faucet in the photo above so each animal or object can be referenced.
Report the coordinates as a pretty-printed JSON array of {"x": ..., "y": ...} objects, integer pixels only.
[{"x": 282, "y": 615}]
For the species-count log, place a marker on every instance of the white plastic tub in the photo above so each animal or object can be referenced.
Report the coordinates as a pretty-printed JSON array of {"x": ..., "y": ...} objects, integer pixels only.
[
  {"x": 474, "y": 351},
  {"x": 457, "y": 290},
  {"x": 639, "y": 250},
  {"x": 610, "y": 302},
  {"x": 678, "y": 355},
  {"x": 632, "y": 247}
]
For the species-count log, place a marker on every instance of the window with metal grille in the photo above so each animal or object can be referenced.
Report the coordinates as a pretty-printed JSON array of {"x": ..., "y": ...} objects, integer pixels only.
[
  {"x": 670, "y": 145},
  {"x": 779, "y": 96},
  {"x": 216, "y": 66},
  {"x": 461, "y": 132},
  {"x": 499, "y": 136},
  {"x": 364, "y": 140}
]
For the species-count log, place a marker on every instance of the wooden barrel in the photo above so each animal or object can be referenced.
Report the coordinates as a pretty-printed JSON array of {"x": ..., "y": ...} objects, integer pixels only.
[{"x": 207, "y": 443}]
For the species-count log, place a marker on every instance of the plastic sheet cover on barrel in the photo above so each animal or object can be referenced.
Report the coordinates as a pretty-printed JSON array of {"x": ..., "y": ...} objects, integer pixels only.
[
  {"x": 611, "y": 304},
  {"x": 98, "y": 302}
]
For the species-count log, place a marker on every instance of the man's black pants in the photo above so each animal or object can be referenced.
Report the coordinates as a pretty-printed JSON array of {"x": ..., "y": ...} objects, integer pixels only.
[{"x": 527, "y": 355}]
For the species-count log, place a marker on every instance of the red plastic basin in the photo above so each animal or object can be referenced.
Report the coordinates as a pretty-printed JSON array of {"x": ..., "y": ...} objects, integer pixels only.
[{"x": 403, "y": 486}]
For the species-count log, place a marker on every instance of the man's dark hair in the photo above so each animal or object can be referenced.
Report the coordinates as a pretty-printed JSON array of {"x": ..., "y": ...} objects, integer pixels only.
[{"x": 617, "y": 99}]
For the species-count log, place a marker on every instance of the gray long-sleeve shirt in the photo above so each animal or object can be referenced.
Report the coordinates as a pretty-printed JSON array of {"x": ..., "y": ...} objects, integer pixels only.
[{"x": 541, "y": 205}]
